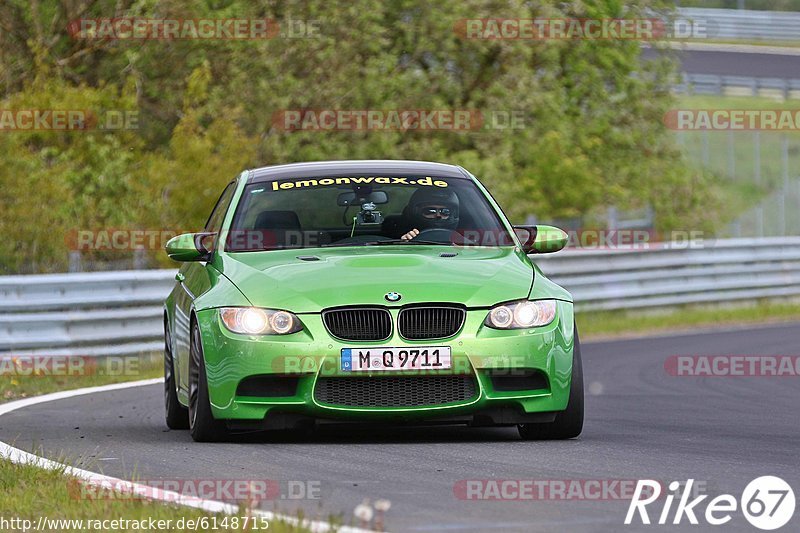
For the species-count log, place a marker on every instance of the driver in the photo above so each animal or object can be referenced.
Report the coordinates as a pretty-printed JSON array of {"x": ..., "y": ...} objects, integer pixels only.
[{"x": 431, "y": 209}]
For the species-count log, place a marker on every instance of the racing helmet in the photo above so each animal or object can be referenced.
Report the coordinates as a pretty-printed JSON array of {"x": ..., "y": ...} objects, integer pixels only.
[{"x": 432, "y": 208}]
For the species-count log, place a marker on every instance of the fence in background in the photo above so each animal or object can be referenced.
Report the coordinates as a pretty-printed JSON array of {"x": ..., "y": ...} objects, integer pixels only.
[
  {"x": 775, "y": 88},
  {"x": 760, "y": 171},
  {"x": 745, "y": 24},
  {"x": 117, "y": 313}
]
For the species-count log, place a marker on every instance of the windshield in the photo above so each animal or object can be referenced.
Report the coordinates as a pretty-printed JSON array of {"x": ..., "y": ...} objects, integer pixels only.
[{"x": 364, "y": 211}]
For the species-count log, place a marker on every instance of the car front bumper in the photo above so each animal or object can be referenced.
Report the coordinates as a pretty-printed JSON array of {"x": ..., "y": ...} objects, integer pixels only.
[{"x": 303, "y": 359}]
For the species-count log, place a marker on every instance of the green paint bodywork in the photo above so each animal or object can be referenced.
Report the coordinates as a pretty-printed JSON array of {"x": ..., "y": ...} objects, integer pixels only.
[
  {"x": 549, "y": 239},
  {"x": 478, "y": 277},
  {"x": 183, "y": 248}
]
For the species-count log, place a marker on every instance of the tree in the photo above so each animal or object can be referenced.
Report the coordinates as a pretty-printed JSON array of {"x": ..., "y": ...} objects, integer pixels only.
[{"x": 589, "y": 133}]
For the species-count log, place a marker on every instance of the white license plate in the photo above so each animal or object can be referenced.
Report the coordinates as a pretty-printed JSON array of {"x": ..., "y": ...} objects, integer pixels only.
[{"x": 382, "y": 358}]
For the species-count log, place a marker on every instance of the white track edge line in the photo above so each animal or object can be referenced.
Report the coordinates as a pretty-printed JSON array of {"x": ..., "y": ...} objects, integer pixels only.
[{"x": 17, "y": 456}]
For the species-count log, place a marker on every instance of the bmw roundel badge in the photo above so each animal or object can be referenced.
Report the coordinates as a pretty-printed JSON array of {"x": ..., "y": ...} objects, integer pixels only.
[{"x": 392, "y": 296}]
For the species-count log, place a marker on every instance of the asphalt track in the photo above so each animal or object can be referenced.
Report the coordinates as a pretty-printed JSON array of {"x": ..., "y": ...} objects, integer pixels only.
[
  {"x": 735, "y": 63},
  {"x": 641, "y": 422}
]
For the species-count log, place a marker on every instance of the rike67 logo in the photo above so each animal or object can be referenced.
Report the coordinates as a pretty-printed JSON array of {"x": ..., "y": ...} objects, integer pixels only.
[{"x": 767, "y": 502}]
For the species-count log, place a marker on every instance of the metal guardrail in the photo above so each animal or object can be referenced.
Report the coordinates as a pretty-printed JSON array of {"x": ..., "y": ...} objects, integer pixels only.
[
  {"x": 745, "y": 24},
  {"x": 97, "y": 313},
  {"x": 741, "y": 25},
  {"x": 117, "y": 313},
  {"x": 739, "y": 86},
  {"x": 723, "y": 271}
]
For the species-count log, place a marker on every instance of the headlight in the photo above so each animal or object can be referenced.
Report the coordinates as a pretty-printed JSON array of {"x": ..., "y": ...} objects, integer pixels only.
[
  {"x": 521, "y": 315},
  {"x": 256, "y": 321}
]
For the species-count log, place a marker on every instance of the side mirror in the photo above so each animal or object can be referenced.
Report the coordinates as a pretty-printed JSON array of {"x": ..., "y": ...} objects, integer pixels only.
[
  {"x": 190, "y": 246},
  {"x": 541, "y": 239}
]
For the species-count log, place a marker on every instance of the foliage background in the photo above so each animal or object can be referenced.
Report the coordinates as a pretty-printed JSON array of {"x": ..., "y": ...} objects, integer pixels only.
[{"x": 593, "y": 134}]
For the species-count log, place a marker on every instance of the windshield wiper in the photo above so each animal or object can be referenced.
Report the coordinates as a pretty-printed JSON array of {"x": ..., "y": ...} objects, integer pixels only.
[
  {"x": 403, "y": 241},
  {"x": 379, "y": 243}
]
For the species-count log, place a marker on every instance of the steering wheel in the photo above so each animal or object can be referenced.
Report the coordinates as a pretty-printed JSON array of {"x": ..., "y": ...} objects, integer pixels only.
[
  {"x": 436, "y": 234},
  {"x": 445, "y": 236}
]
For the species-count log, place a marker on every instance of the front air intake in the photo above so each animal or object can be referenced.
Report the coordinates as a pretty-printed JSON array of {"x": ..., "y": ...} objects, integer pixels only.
[{"x": 395, "y": 391}]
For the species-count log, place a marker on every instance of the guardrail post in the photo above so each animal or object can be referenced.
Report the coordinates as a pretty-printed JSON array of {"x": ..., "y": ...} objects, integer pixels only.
[
  {"x": 139, "y": 262},
  {"x": 757, "y": 173},
  {"x": 612, "y": 218},
  {"x": 75, "y": 261},
  {"x": 785, "y": 184},
  {"x": 731, "y": 156}
]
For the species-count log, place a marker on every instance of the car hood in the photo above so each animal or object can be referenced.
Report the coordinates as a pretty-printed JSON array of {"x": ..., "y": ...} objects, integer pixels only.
[{"x": 475, "y": 276}]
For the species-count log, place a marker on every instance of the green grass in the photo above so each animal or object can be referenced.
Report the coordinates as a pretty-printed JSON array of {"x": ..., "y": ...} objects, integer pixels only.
[
  {"x": 609, "y": 324},
  {"x": 22, "y": 382},
  {"x": 28, "y": 492},
  {"x": 732, "y": 156}
]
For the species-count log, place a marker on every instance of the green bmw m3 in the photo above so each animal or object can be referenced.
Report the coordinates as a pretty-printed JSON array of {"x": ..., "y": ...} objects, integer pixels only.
[{"x": 367, "y": 291}]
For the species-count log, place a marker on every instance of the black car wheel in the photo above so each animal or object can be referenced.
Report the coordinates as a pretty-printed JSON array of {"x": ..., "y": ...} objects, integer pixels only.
[
  {"x": 177, "y": 416},
  {"x": 568, "y": 423},
  {"x": 202, "y": 424}
]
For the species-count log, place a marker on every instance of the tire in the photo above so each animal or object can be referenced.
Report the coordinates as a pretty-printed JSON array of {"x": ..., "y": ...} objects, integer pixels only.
[
  {"x": 568, "y": 423},
  {"x": 202, "y": 424},
  {"x": 177, "y": 416}
]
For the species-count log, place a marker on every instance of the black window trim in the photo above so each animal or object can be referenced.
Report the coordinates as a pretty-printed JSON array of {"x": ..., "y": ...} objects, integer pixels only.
[{"x": 232, "y": 183}]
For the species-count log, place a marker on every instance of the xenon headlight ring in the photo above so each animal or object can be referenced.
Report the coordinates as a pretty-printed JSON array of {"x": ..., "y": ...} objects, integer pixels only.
[
  {"x": 259, "y": 321},
  {"x": 522, "y": 314}
]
